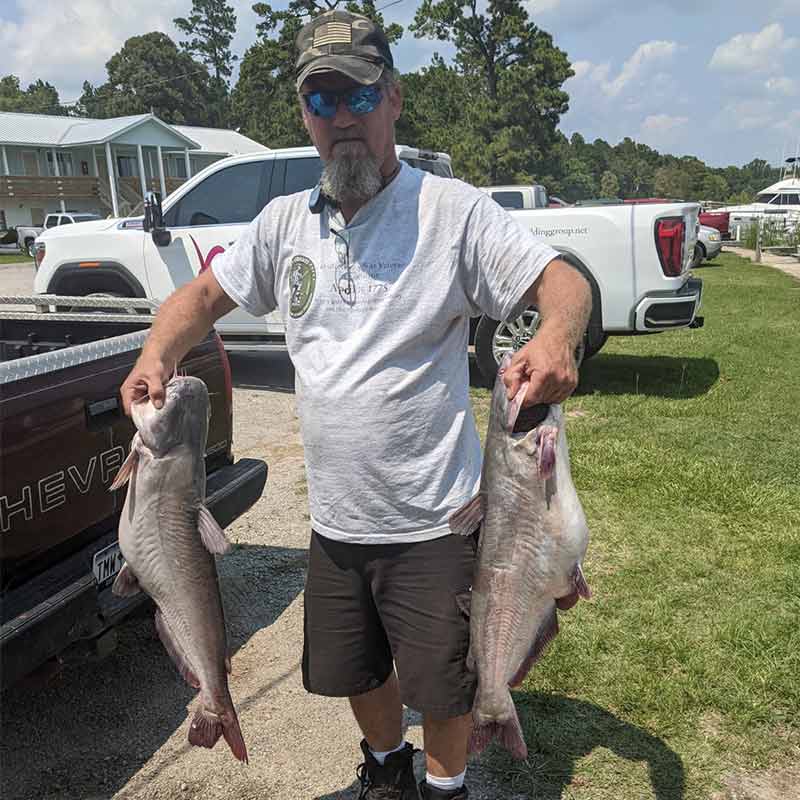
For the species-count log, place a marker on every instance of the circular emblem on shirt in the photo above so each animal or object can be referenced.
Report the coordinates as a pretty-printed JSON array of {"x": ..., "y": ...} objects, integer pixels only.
[{"x": 302, "y": 281}]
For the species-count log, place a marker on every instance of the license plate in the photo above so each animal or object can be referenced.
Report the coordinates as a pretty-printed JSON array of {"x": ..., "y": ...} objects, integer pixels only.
[{"x": 107, "y": 563}]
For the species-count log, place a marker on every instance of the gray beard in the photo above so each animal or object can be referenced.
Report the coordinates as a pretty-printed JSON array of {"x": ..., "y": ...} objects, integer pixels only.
[{"x": 351, "y": 177}]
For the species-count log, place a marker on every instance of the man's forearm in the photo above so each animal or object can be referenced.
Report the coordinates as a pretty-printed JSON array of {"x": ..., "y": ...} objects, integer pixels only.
[
  {"x": 564, "y": 300},
  {"x": 183, "y": 320}
]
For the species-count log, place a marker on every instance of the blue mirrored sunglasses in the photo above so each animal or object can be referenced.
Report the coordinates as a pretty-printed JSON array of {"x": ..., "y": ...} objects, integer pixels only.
[{"x": 362, "y": 100}]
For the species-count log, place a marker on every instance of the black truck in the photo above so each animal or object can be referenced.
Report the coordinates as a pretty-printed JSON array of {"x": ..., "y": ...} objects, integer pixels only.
[{"x": 63, "y": 436}]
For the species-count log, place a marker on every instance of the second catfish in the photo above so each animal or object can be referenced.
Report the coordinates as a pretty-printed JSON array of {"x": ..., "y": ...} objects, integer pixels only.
[{"x": 532, "y": 542}]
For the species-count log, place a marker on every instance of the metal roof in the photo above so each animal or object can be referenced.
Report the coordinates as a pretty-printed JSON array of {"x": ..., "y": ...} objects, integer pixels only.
[
  {"x": 47, "y": 130},
  {"x": 219, "y": 140}
]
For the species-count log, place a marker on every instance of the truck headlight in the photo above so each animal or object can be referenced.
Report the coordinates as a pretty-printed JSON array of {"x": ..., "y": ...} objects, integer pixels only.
[{"x": 713, "y": 237}]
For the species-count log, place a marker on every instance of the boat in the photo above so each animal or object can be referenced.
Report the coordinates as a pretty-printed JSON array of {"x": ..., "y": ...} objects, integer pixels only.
[{"x": 779, "y": 202}]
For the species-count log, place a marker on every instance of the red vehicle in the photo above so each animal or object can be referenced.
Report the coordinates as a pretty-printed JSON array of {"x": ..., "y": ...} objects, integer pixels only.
[
  {"x": 712, "y": 219},
  {"x": 719, "y": 220}
]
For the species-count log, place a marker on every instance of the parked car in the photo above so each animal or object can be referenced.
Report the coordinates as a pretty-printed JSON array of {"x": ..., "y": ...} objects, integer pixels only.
[
  {"x": 708, "y": 245},
  {"x": 64, "y": 439},
  {"x": 721, "y": 220},
  {"x": 516, "y": 197},
  {"x": 26, "y": 234},
  {"x": 636, "y": 257}
]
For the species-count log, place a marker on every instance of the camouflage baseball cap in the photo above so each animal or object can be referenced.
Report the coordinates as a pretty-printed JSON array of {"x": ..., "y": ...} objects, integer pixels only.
[{"x": 340, "y": 41}]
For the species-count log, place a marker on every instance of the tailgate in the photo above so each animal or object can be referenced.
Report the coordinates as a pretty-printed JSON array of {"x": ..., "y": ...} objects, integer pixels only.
[{"x": 65, "y": 437}]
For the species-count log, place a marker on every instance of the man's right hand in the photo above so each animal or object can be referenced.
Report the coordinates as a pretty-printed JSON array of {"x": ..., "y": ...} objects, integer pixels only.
[{"x": 146, "y": 379}]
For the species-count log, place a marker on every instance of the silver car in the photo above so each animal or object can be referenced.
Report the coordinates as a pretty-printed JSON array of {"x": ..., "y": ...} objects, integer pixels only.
[{"x": 709, "y": 244}]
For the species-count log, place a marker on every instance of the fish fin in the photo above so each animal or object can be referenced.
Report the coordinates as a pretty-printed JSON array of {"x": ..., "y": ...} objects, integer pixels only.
[
  {"x": 465, "y": 520},
  {"x": 233, "y": 735},
  {"x": 207, "y": 727},
  {"x": 515, "y": 406},
  {"x": 126, "y": 470},
  {"x": 210, "y": 532},
  {"x": 464, "y": 602},
  {"x": 546, "y": 633},
  {"x": 581, "y": 586},
  {"x": 507, "y": 731},
  {"x": 175, "y": 651},
  {"x": 546, "y": 438},
  {"x": 126, "y": 584}
]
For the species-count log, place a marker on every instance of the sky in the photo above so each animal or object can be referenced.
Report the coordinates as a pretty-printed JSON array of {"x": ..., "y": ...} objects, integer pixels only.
[{"x": 717, "y": 79}]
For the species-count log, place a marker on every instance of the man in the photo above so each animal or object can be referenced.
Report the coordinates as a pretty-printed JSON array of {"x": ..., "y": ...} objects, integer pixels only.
[{"x": 377, "y": 273}]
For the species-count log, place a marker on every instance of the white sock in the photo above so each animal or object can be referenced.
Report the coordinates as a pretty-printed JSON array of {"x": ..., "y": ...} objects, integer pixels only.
[
  {"x": 445, "y": 784},
  {"x": 380, "y": 756}
]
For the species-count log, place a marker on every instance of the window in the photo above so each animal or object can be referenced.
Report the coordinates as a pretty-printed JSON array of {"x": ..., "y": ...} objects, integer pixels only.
[
  {"x": 64, "y": 164},
  {"x": 766, "y": 198},
  {"x": 65, "y": 221},
  {"x": 127, "y": 167},
  {"x": 790, "y": 199},
  {"x": 440, "y": 168},
  {"x": 301, "y": 174},
  {"x": 232, "y": 195},
  {"x": 175, "y": 166},
  {"x": 51, "y": 221},
  {"x": 509, "y": 199}
]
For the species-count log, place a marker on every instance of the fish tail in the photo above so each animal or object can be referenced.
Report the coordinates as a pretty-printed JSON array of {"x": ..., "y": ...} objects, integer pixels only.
[
  {"x": 504, "y": 727},
  {"x": 207, "y": 727}
]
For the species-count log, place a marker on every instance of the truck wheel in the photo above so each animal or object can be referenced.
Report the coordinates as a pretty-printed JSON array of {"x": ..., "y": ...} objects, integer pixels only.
[
  {"x": 699, "y": 256},
  {"x": 594, "y": 341},
  {"x": 29, "y": 248},
  {"x": 493, "y": 339}
]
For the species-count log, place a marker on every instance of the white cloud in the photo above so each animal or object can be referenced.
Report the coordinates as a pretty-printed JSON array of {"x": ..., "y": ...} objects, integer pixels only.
[
  {"x": 762, "y": 51},
  {"x": 636, "y": 67},
  {"x": 663, "y": 123},
  {"x": 88, "y": 33},
  {"x": 783, "y": 85}
]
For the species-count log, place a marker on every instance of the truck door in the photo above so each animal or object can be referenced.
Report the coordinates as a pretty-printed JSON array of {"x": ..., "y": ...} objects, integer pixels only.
[{"x": 204, "y": 223}]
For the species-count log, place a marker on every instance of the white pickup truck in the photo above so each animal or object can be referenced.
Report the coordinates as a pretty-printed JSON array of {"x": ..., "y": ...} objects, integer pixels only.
[{"x": 635, "y": 257}]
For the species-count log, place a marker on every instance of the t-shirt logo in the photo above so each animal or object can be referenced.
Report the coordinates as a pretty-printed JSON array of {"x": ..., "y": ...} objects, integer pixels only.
[{"x": 302, "y": 282}]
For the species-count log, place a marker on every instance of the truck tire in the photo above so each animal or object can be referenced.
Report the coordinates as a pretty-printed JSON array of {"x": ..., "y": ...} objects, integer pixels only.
[
  {"x": 29, "y": 247},
  {"x": 493, "y": 339},
  {"x": 699, "y": 255}
]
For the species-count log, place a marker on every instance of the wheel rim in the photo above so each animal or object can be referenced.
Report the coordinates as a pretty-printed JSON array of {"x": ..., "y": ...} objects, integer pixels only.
[
  {"x": 31, "y": 250},
  {"x": 510, "y": 336}
]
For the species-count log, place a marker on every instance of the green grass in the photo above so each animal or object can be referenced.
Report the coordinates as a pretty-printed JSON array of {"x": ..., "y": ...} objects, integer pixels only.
[
  {"x": 685, "y": 450},
  {"x": 15, "y": 258}
]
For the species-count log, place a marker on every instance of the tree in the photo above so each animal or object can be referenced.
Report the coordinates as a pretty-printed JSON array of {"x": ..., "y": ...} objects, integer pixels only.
[
  {"x": 150, "y": 73},
  {"x": 609, "y": 184},
  {"x": 39, "y": 98},
  {"x": 264, "y": 102},
  {"x": 515, "y": 75},
  {"x": 715, "y": 187},
  {"x": 210, "y": 27}
]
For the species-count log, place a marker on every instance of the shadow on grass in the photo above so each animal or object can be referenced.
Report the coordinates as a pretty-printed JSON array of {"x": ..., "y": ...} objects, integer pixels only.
[
  {"x": 653, "y": 376},
  {"x": 560, "y": 731}
]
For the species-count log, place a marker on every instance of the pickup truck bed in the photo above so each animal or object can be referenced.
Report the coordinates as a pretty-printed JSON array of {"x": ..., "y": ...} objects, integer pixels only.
[{"x": 64, "y": 437}]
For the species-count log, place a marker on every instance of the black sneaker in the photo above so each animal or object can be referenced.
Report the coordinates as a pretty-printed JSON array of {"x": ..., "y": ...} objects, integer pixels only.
[
  {"x": 432, "y": 793},
  {"x": 394, "y": 780}
]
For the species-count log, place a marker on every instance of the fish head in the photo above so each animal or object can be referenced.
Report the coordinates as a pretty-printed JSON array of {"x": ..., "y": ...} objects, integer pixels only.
[{"x": 182, "y": 419}]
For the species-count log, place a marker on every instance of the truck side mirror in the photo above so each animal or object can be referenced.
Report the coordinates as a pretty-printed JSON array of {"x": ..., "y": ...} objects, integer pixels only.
[{"x": 153, "y": 222}]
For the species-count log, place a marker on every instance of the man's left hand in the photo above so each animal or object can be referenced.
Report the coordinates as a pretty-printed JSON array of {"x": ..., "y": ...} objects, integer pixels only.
[{"x": 548, "y": 363}]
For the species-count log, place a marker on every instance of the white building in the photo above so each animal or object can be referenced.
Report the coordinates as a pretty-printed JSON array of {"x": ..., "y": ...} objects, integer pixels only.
[{"x": 105, "y": 166}]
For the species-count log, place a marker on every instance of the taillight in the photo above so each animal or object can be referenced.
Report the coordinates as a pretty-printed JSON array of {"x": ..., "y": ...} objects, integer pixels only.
[
  {"x": 38, "y": 253},
  {"x": 226, "y": 368},
  {"x": 670, "y": 233}
]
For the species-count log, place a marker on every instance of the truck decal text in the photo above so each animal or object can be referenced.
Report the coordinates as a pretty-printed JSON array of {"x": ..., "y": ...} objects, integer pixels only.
[{"x": 51, "y": 491}]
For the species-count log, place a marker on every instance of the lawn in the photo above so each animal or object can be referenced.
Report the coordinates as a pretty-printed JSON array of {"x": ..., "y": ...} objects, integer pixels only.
[
  {"x": 682, "y": 675},
  {"x": 14, "y": 258}
]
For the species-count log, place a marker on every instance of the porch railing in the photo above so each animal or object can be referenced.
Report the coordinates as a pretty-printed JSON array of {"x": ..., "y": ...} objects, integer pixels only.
[{"x": 29, "y": 187}]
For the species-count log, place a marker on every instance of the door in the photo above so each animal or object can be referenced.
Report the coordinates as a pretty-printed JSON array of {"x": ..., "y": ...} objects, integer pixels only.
[{"x": 205, "y": 222}]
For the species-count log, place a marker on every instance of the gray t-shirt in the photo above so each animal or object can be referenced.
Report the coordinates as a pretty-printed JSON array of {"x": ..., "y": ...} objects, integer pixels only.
[{"x": 377, "y": 326}]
